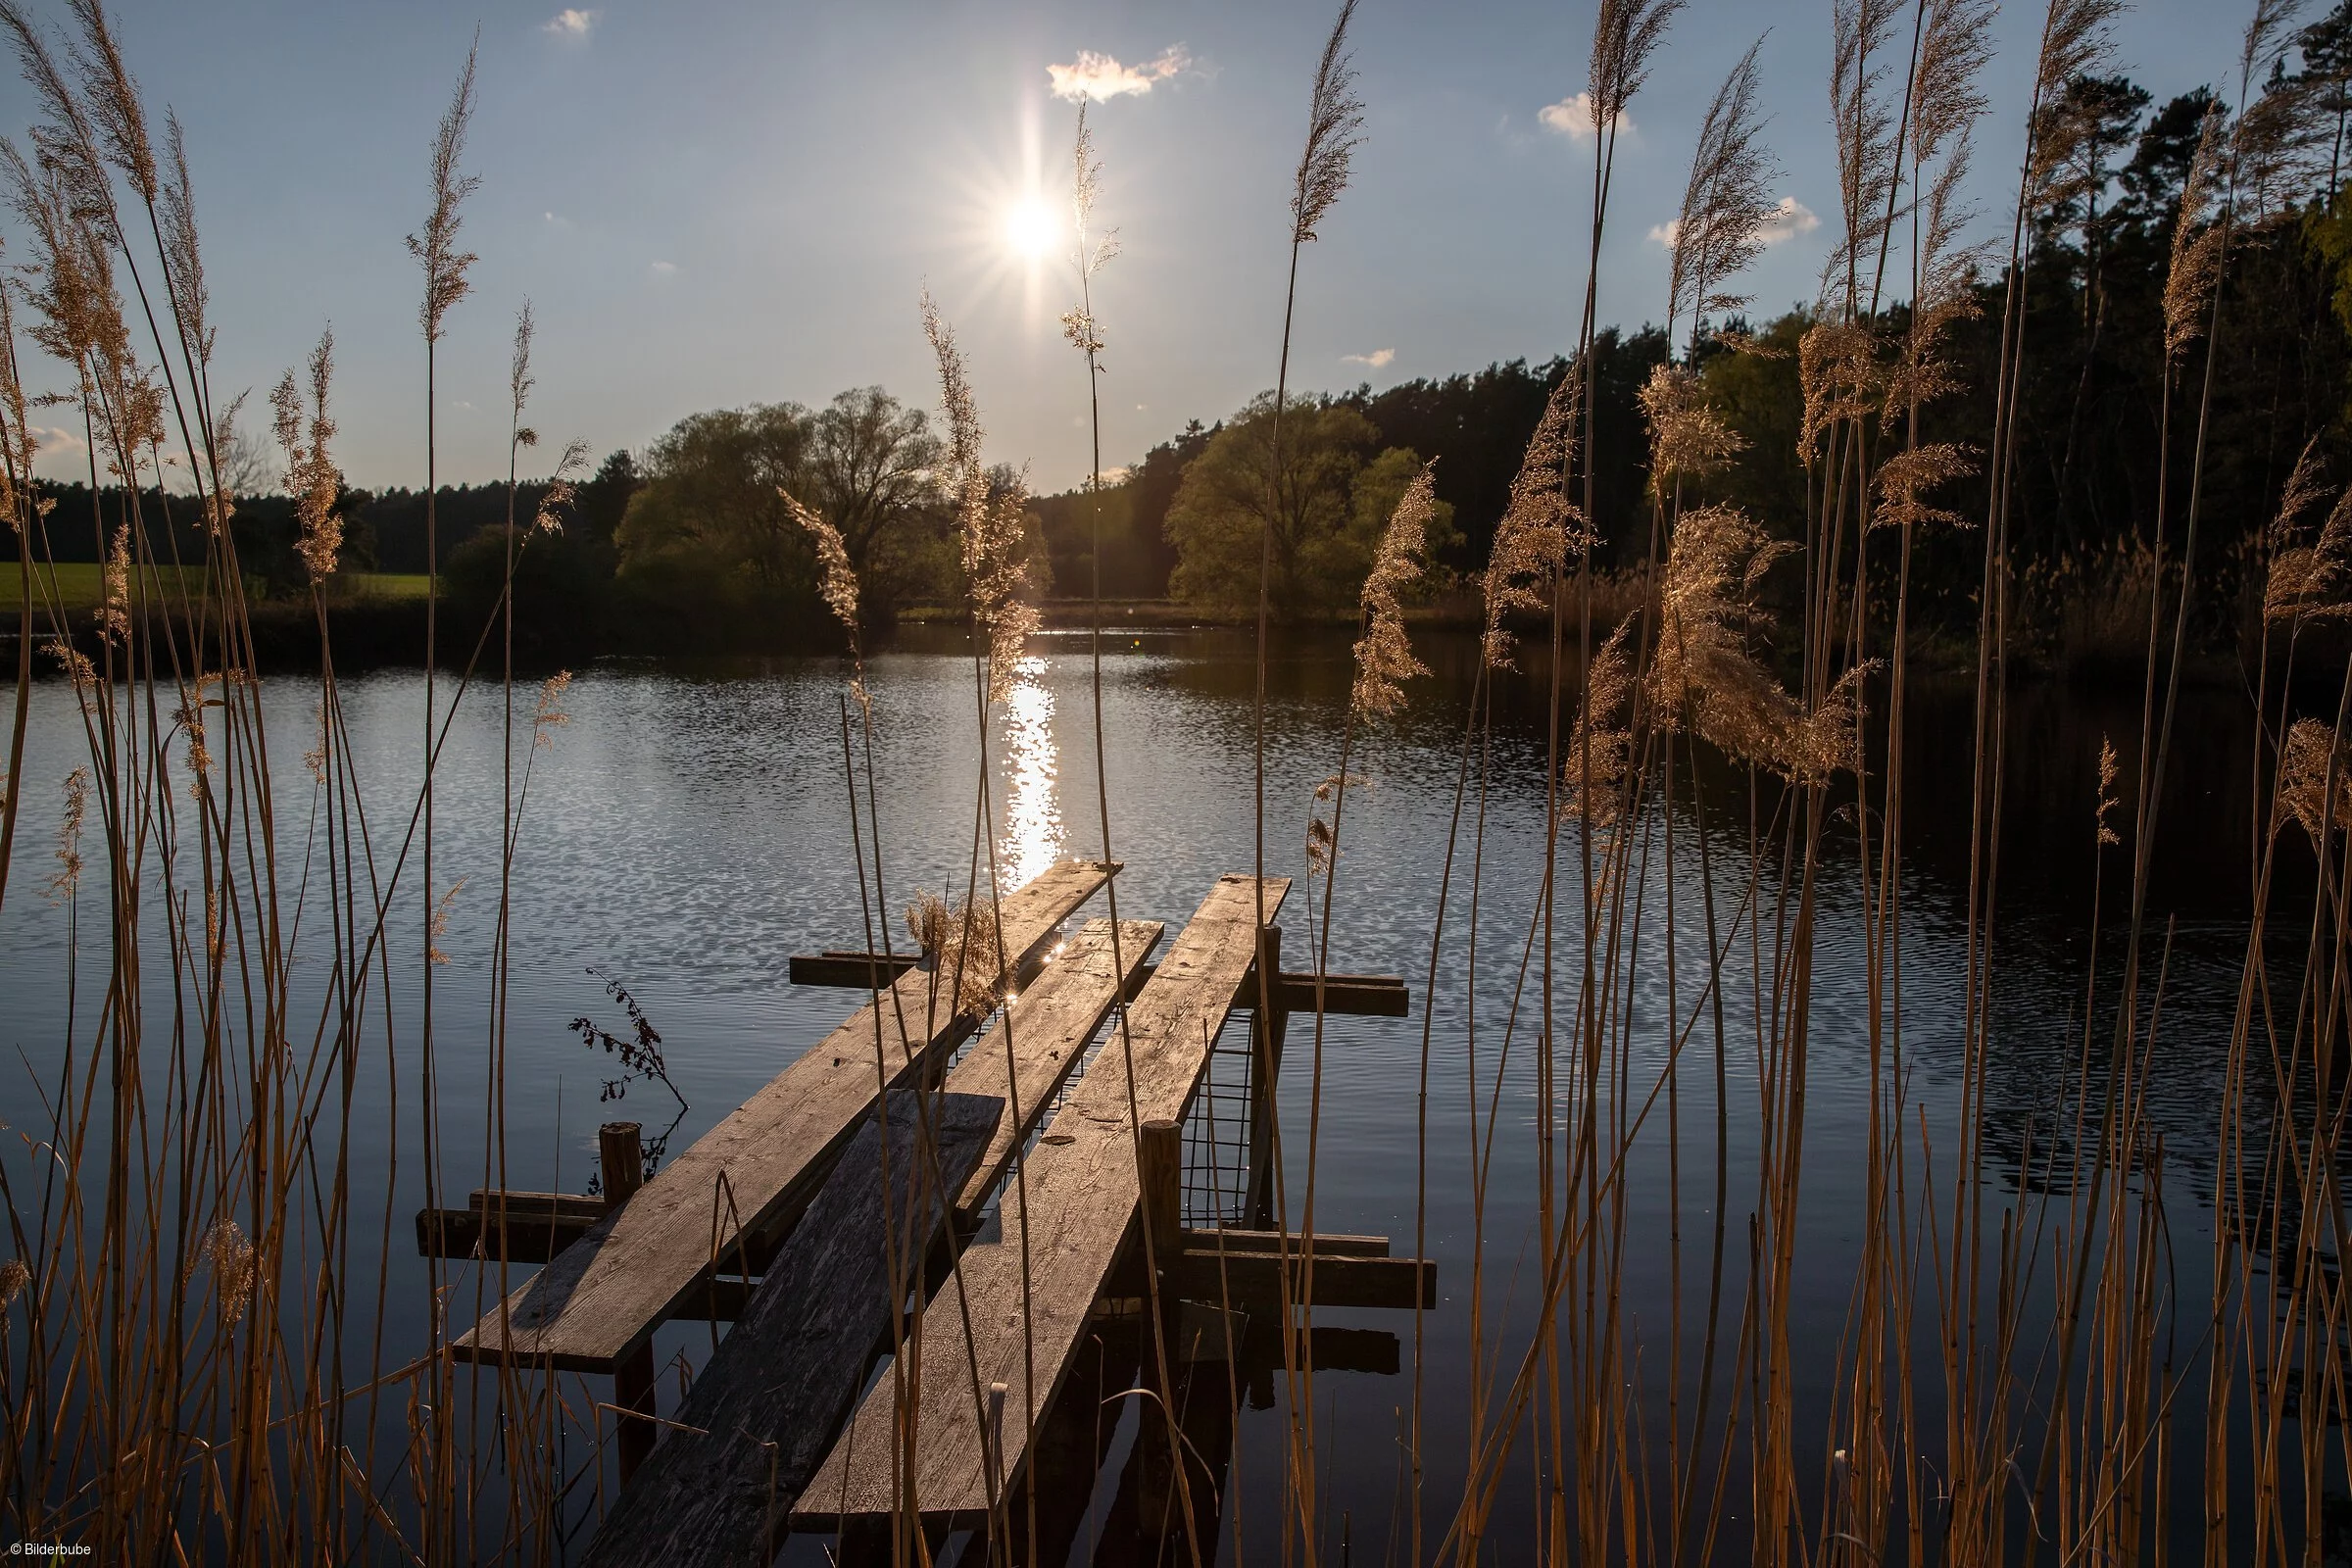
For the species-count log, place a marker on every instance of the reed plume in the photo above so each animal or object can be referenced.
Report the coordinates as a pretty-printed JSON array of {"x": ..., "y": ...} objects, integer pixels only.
[
  {"x": 2270, "y": 34},
  {"x": 1904, "y": 479},
  {"x": 2075, "y": 41},
  {"x": 1335, "y": 122},
  {"x": 114, "y": 581},
  {"x": 520, "y": 381},
  {"x": 1840, "y": 379},
  {"x": 81, "y": 319},
  {"x": 183, "y": 267},
  {"x": 2314, "y": 779},
  {"x": 66, "y": 142},
  {"x": 1626, "y": 34},
  {"x": 1725, "y": 204},
  {"x": 67, "y": 880},
  {"x": 437, "y": 927},
  {"x": 1322, "y": 837},
  {"x": 1687, "y": 438},
  {"x": 1095, "y": 246},
  {"x": 1947, "y": 93},
  {"x": 2110, "y": 769},
  {"x": 548, "y": 714},
  {"x": 1944, "y": 292},
  {"x": 312, "y": 477},
  {"x": 14, "y": 1276},
  {"x": 2199, "y": 239},
  {"x": 1600, "y": 745},
  {"x": 1704, "y": 676},
  {"x": 1869, "y": 144},
  {"x": 2309, "y": 580},
  {"x": 562, "y": 488},
  {"x": 991, "y": 513},
  {"x": 1540, "y": 524},
  {"x": 961, "y": 943},
  {"x": 111, "y": 96},
  {"x": 1383, "y": 654},
  {"x": 435, "y": 246},
  {"x": 2275, "y": 149},
  {"x": 837, "y": 577},
  {"x": 233, "y": 1261}
]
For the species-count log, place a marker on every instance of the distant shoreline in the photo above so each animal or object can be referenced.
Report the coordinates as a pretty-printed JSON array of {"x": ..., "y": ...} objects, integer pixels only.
[{"x": 374, "y": 630}]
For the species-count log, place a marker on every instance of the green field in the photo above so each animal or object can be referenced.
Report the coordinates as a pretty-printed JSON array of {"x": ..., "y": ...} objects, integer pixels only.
[{"x": 81, "y": 584}]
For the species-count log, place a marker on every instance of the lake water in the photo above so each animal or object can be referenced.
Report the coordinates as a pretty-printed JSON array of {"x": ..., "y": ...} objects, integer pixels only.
[{"x": 688, "y": 831}]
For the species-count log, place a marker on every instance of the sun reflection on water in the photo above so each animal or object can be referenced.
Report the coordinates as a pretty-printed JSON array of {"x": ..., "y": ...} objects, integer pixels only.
[{"x": 1032, "y": 838}]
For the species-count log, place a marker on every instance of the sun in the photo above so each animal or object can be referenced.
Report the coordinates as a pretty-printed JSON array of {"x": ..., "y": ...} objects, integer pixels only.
[{"x": 1031, "y": 228}]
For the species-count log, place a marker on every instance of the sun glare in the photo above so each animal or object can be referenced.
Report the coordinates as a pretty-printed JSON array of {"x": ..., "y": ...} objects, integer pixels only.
[{"x": 1032, "y": 228}]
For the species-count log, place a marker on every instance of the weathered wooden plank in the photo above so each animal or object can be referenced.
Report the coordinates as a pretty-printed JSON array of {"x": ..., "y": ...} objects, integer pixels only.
[
  {"x": 766, "y": 1405},
  {"x": 1047, "y": 1028},
  {"x": 1082, "y": 1195},
  {"x": 606, "y": 1293}
]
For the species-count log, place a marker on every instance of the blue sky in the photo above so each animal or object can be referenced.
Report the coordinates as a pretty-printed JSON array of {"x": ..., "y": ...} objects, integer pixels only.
[{"x": 710, "y": 202}]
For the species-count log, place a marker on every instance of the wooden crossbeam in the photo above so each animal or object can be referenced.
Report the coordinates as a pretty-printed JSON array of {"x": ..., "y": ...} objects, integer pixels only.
[
  {"x": 1028, "y": 1306},
  {"x": 1367, "y": 995},
  {"x": 853, "y": 972},
  {"x": 1254, "y": 1279},
  {"x": 766, "y": 1404},
  {"x": 751, "y": 1175},
  {"x": 1363, "y": 996},
  {"x": 521, "y": 1227},
  {"x": 1326, "y": 1246}
]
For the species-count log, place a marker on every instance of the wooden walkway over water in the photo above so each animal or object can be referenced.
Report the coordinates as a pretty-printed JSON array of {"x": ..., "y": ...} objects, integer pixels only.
[{"x": 841, "y": 1214}]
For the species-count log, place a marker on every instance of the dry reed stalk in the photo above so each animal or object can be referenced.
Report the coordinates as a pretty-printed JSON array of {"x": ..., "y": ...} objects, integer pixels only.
[
  {"x": 445, "y": 267},
  {"x": 1333, "y": 130}
]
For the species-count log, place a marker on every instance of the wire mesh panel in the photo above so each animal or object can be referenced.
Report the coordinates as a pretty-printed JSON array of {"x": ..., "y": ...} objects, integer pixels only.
[
  {"x": 1217, "y": 1138},
  {"x": 1217, "y": 1129}
]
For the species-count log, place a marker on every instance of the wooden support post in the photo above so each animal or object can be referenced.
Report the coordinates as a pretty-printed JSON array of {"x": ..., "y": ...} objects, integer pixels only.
[
  {"x": 1267, "y": 1026},
  {"x": 1159, "y": 1173},
  {"x": 621, "y": 1155},
  {"x": 1160, "y": 1176}
]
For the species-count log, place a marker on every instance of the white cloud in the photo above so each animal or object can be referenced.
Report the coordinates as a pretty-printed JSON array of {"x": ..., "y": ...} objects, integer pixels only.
[
  {"x": 557, "y": 220},
  {"x": 569, "y": 23},
  {"x": 664, "y": 269},
  {"x": 56, "y": 438},
  {"x": 1099, "y": 77},
  {"x": 1787, "y": 218},
  {"x": 1377, "y": 359},
  {"x": 1572, "y": 117}
]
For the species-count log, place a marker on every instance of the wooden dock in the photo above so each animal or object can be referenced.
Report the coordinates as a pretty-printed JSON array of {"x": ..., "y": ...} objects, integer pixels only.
[
  {"x": 603, "y": 1297},
  {"x": 760, "y": 1442},
  {"x": 1082, "y": 1193}
]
